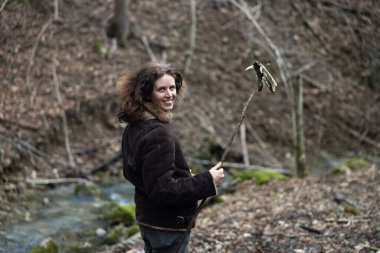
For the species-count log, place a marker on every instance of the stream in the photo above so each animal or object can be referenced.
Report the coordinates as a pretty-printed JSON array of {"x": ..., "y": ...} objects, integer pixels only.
[{"x": 64, "y": 217}]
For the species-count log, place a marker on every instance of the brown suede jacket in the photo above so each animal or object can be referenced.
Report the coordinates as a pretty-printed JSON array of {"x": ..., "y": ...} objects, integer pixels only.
[{"x": 166, "y": 193}]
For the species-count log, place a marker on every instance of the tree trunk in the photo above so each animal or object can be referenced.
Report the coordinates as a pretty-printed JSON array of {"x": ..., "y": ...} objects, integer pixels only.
[
  {"x": 299, "y": 144},
  {"x": 122, "y": 21}
]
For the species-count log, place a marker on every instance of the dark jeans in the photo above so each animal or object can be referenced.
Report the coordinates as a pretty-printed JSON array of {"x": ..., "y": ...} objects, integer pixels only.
[{"x": 161, "y": 241}]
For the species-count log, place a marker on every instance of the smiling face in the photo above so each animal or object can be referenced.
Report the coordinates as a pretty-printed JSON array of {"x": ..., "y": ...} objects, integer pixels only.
[{"x": 164, "y": 92}]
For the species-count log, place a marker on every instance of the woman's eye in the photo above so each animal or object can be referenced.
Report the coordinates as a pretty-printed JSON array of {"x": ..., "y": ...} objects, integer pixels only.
[{"x": 172, "y": 88}]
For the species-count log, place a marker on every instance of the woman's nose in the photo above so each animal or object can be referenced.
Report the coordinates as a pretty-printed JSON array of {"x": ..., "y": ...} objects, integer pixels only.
[{"x": 168, "y": 93}]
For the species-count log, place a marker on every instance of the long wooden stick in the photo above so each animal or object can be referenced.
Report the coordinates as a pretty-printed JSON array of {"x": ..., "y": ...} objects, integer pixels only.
[
  {"x": 181, "y": 246},
  {"x": 242, "y": 116}
]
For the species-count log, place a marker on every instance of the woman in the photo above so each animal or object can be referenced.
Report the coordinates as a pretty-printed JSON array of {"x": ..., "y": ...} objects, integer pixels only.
[{"x": 166, "y": 193}]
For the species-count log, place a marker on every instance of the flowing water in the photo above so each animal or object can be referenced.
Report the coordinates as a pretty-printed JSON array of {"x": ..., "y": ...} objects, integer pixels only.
[{"x": 62, "y": 218}]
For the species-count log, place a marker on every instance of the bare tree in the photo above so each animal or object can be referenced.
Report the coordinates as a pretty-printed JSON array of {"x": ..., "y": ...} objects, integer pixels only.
[
  {"x": 193, "y": 32},
  {"x": 299, "y": 143},
  {"x": 118, "y": 26},
  {"x": 295, "y": 100}
]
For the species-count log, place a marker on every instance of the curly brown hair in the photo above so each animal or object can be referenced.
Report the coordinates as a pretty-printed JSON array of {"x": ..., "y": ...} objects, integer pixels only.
[{"x": 136, "y": 88}]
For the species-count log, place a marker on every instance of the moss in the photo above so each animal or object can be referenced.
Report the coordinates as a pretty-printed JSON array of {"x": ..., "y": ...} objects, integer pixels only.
[
  {"x": 99, "y": 48},
  {"x": 349, "y": 208},
  {"x": 132, "y": 230},
  {"x": 348, "y": 165},
  {"x": 118, "y": 213},
  {"x": 47, "y": 245},
  {"x": 81, "y": 248},
  {"x": 261, "y": 177},
  {"x": 215, "y": 200},
  {"x": 87, "y": 189},
  {"x": 116, "y": 234},
  {"x": 356, "y": 163}
]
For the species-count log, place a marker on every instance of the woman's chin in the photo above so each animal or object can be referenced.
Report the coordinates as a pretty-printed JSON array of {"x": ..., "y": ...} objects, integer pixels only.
[{"x": 167, "y": 107}]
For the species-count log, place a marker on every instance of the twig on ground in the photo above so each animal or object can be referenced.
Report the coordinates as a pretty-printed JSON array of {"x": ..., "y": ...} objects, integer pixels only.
[
  {"x": 57, "y": 181},
  {"x": 310, "y": 229}
]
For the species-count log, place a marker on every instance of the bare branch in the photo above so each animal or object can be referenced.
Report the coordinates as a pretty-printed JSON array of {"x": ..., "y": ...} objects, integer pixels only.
[
  {"x": 261, "y": 145},
  {"x": 64, "y": 120},
  {"x": 303, "y": 68},
  {"x": 18, "y": 124},
  {"x": 56, "y": 10},
  {"x": 58, "y": 181},
  {"x": 148, "y": 49},
  {"x": 244, "y": 148},
  {"x": 21, "y": 143},
  {"x": 243, "y": 7},
  {"x": 3, "y": 5}
]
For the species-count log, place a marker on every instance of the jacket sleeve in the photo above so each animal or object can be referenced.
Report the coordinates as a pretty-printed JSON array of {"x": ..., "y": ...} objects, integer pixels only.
[{"x": 158, "y": 168}]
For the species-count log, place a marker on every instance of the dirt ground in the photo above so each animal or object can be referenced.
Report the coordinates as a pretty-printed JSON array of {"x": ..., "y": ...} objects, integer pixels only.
[{"x": 313, "y": 215}]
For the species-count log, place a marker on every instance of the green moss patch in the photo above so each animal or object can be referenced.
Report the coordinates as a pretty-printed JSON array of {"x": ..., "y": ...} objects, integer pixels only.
[
  {"x": 47, "y": 245},
  {"x": 99, "y": 48},
  {"x": 118, "y": 213},
  {"x": 87, "y": 190},
  {"x": 261, "y": 177},
  {"x": 120, "y": 232},
  {"x": 348, "y": 165},
  {"x": 132, "y": 230},
  {"x": 215, "y": 200}
]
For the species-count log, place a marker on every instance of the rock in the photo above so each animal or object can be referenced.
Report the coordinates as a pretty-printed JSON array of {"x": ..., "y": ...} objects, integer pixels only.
[
  {"x": 100, "y": 232},
  {"x": 247, "y": 235}
]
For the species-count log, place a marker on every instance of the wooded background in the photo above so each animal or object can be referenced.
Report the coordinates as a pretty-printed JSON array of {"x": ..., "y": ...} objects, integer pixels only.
[{"x": 59, "y": 62}]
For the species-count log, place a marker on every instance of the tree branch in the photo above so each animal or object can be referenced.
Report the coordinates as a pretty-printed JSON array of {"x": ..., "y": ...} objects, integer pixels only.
[
  {"x": 57, "y": 181},
  {"x": 3, "y": 5},
  {"x": 148, "y": 49},
  {"x": 64, "y": 120},
  {"x": 242, "y": 116}
]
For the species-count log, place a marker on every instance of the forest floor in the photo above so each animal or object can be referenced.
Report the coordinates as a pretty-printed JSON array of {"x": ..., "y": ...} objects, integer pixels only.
[{"x": 316, "y": 214}]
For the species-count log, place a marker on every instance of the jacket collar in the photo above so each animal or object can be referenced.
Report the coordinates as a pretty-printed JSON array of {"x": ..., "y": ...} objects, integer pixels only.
[{"x": 154, "y": 112}]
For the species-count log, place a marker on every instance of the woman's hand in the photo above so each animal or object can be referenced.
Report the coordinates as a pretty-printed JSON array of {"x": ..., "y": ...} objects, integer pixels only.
[{"x": 217, "y": 172}]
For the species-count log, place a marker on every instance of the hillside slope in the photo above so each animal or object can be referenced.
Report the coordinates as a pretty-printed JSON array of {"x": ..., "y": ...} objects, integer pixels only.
[{"x": 331, "y": 45}]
